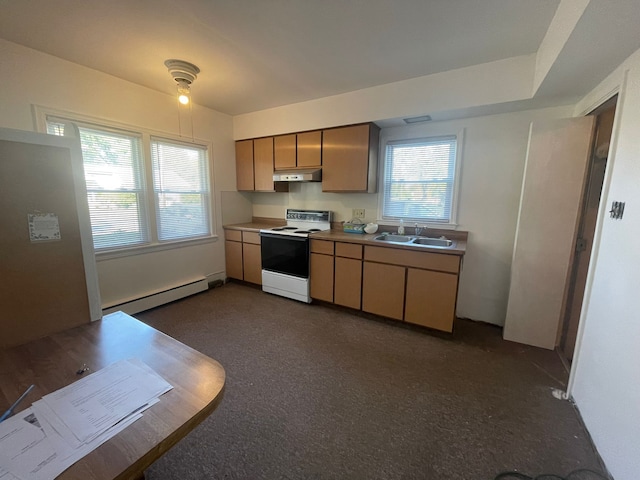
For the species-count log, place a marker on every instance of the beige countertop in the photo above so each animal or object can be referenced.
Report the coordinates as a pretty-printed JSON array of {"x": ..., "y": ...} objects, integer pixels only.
[
  {"x": 256, "y": 225},
  {"x": 365, "y": 239}
]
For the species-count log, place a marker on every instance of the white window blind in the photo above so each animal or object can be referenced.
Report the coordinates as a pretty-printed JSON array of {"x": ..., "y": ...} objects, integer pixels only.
[
  {"x": 419, "y": 179},
  {"x": 113, "y": 167},
  {"x": 181, "y": 189}
]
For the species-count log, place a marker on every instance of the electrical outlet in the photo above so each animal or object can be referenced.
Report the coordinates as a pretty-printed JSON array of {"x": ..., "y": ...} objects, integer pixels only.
[{"x": 358, "y": 213}]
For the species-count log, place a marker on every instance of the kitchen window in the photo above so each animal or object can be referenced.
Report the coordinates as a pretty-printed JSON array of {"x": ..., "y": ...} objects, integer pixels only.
[
  {"x": 124, "y": 212},
  {"x": 419, "y": 180}
]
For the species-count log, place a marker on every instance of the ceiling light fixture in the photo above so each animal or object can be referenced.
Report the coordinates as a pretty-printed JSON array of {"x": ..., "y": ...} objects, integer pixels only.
[
  {"x": 184, "y": 73},
  {"x": 423, "y": 118}
]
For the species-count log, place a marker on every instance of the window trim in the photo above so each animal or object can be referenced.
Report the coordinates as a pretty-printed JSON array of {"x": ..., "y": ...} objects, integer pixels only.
[
  {"x": 414, "y": 135},
  {"x": 40, "y": 114}
]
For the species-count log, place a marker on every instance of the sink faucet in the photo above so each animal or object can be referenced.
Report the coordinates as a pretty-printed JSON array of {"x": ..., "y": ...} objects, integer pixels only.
[{"x": 418, "y": 229}]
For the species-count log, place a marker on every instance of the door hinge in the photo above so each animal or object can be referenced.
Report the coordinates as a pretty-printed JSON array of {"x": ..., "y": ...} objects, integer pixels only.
[{"x": 581, "y": 245}]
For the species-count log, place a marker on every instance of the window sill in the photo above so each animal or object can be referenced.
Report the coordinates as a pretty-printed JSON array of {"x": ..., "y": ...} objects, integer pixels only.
[{"x": 156, "y": 247}]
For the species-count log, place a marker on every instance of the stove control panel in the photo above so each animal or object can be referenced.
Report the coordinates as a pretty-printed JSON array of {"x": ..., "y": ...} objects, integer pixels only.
[{"x": 309, "y": 215}]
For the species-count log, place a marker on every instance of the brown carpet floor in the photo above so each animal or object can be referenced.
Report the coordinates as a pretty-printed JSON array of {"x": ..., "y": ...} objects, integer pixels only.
[{"x": 315, "y": 392}]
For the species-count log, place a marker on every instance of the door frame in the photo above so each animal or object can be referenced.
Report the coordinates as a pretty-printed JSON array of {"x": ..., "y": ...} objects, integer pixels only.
[
  {"x": 576, "y": 281},
  {"x": 618, "y": 90}
]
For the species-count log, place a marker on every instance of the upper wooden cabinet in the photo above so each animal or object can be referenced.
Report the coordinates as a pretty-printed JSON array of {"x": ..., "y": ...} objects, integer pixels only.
[
  {"x": 349, "y": 158},
  {"x": 255, "y": 165},
  {"x": 302, "y": 150},
  {"x": 263, "y": 164},
  {"x": 244, "y": 165},
  {"x": 285, "y": 151},
  {"x": 310, "y": 149}
]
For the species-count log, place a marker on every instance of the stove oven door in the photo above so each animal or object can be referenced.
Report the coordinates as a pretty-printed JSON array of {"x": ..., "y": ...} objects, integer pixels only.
[{"x": 285, "y": 254}]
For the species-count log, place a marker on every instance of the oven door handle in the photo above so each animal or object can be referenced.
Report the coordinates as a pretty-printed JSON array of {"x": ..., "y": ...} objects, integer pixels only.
[{"x": 284, "y": 237}]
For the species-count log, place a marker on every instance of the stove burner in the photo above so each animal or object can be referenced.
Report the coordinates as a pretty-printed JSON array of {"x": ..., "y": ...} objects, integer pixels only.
[
  {"x": 302, "y": 231},
  {"x": 315, "y": 230},
  {"x": 280, "y": 229}
]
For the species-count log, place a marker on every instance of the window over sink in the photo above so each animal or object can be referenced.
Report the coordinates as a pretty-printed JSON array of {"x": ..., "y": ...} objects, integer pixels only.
[{"x": 419, "y": 180}]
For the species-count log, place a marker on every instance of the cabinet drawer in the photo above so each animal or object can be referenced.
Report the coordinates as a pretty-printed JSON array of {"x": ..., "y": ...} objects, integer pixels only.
[
  {"x": 233, "y": 235},
  {"x": 431, "y": 261},
  {"x": 349, "y": 250},
  {"x": 251, "y": 237},
  {"x": 322, "y": 246}
]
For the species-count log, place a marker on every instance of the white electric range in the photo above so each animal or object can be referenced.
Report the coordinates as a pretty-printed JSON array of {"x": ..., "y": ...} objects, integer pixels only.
[{"x": 285, "y": 253}]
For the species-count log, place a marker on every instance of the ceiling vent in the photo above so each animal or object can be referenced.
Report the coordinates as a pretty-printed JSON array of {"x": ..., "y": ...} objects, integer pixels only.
[{"x": 423, "y": 118}]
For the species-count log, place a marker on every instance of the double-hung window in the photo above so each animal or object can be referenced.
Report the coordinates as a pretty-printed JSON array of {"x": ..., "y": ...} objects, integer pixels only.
[
  {"x": 419, "y": 180},
  {"x": 181, "y": 190},
  {"x": 119, "y": 165}
]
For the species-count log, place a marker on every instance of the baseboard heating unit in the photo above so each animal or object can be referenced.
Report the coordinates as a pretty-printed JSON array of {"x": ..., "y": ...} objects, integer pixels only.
[{"x": 155, "y": 299}]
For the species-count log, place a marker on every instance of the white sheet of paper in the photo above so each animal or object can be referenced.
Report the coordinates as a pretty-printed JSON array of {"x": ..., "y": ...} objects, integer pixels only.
[
  {"x": 64, "y": 439},
  {"x": 43, "y": 227},
  {"x": 6, "y": 474},
  {"x": 95, "y": 403},
  {"x": 26, "y": 452}
]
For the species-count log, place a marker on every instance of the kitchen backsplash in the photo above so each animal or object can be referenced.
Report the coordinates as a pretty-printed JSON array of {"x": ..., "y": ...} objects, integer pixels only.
[{"x": 310, "y": 196}]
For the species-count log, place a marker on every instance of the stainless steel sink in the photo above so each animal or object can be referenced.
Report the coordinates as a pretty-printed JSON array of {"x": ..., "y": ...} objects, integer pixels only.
[
  {"x": 417, "y": 241},
  {"x": 393, "y": 238},
  {"x": 432, "y": 242}
]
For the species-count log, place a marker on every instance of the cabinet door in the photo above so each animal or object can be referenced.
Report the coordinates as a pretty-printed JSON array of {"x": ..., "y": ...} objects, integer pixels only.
[
  {"x": 383, "y": 289},
  {"x": 348, "y": 282},
  {"x": 310, "y": 149},
  {"x": 431, "y": 299},
  {"x": 233, "y": 258},
  {"x": 263, "y": 164},
  {"x": 244, "y": 165},
  {"x": 285, "y": 151},
  {"x": 321, "y": 277},
  {"x": 252, "y": 263},
  {"x": 345, "y": 159}
]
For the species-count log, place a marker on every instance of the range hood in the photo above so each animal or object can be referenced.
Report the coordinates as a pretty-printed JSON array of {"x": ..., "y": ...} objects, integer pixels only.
[{"x": 298, "y": 175}]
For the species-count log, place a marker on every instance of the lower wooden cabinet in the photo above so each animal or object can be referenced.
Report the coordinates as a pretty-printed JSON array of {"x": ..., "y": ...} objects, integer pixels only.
[
  {"x": 419, "y": 287},
  {"x": 431, "y": 299},
  {"x": 348, "y": 283},
  {"x": 243, "y": 256},
  {"x": 233, "y": 259},
  {"x": 348, "y": 278},
  {"x": 252, "y": 263},
  {"x": 383, "y": 289},
  {"x": 321, "y": 277}
]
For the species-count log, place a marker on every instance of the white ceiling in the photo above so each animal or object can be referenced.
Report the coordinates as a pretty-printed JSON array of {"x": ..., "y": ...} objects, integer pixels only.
[{"x": 257, "y": 54}]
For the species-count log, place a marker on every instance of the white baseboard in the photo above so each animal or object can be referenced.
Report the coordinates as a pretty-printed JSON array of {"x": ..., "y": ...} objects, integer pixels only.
[{"x": 155, "y": 299}]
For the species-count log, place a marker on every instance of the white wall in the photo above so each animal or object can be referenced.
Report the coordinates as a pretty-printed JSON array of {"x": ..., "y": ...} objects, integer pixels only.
[
  {"x": 502, "y": 81},
  {"x": 605, "y": 381},
  {"x": 493, "y": 157},
  {"x": 31, "y": 77}
]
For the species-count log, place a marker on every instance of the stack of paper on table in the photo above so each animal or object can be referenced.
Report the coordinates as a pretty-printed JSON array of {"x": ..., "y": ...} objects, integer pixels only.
[{"x": 42, "y": 441}]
